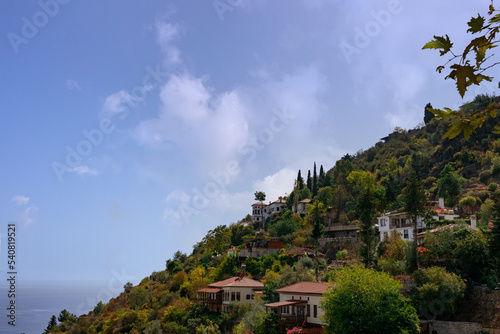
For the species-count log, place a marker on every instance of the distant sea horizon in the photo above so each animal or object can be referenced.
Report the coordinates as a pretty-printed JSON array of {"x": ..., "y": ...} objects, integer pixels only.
[{"x": 36, "y": 302}]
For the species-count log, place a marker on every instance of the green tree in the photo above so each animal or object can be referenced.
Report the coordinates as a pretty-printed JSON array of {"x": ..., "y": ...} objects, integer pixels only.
[
  {"x": 437, "y": 291},
  {"x": 468, "y": 68},
  {"x": 367, "y": 301},
  {"x": 300, "y": 181},
  {"x": 450, "y": 182},
  {"x": 428, "y": 114},
  {"x": 322, "y": 181},
  {"x": 325, "y": 196},
  {"x": 415, "y": 197},
  {"x": 315, "y": 182},
  {"x": 154, "y": 327},
  {"x": 286, "y": 225},
  {"x": 365, "y": 184},
  {"x": 66, "y": 316},
  {"x": 260, "y": 196},
  {"x": 52, "y": 323},
  {"x": 315, "y": 213},
  {"x": 472, "y": 257},
  {"x": 217, "y": 240},
  {"x": 309, "y": 181}
]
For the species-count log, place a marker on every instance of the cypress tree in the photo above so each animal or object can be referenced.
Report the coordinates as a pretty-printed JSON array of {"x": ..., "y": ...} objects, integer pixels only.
[
  {"x": 300, "y": 181},
  {"x": 428, "y": 116},
  {"x": 322, "y": 177},
  {"x": 315, "y": 182},
  {"x": 309, "y": 180}
]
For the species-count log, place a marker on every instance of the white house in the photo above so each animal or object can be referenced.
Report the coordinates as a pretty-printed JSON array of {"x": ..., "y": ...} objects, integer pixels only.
[
  {"x": 261, "y": 211},
  {"x": 258, "y": 211},
  {"x": 300, "y": 302},
  {"x": 302, "y": 206},
  {"x": 402, "y": 223},
  {"x": 217, "y": 296}
]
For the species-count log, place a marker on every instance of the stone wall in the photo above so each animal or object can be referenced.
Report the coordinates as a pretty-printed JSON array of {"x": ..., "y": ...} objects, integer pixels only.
[{"x": 448, "y": 327}]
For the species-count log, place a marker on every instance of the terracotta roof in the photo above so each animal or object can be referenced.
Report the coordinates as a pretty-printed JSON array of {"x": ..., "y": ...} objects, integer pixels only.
[
  {"x": 303, "y": 251},
  {"x": 237, "y": 281},
  {"x": 441, "y": 228},
  {"x": 280, "y": 201},
  {"x": 314, "y": 288},
  {"x": 259, "y": 204},
  {"x": 210, "y": 290},
  {"x": 286, "y": 303},
  {"x": 306, "y": 200}
]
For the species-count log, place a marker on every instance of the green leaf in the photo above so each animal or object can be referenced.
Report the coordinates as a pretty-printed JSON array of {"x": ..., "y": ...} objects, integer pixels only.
[
  {"x": 464, "y": 75},
  {"x": 476, "y": 24},
  {"x": 439, "y": 42},
  {"x": 495, "y": 19}
]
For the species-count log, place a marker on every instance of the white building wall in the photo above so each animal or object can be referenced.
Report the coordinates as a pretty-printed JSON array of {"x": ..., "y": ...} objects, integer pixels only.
[{"x": 312, "y": 301}]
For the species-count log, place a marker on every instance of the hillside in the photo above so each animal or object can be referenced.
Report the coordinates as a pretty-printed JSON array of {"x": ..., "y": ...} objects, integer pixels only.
[{"x": 464, "y": 172}]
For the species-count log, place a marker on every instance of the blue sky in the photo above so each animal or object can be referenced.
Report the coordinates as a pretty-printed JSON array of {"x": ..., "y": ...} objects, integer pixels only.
[{"x": 129, "y": 129}]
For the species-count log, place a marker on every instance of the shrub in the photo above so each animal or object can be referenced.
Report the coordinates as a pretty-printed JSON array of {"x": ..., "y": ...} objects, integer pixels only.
[
  {"x": 492, "y": 186},
  {"x": 495, "y": 165},
  {"x": 484, "y": 176},
  {"x": 437, "y": 291}
]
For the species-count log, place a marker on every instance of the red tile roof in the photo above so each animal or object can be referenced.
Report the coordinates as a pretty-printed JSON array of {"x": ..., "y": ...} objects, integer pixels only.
[
  {"x": 237, "y": 281},
  {"x": 258, "y": 204},
  {"x": 306, "y": 200},
  {"x": 310, "y": 288}
]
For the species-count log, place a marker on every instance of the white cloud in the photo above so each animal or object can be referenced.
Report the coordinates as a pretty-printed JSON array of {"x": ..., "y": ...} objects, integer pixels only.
[
  {"x": 167, "y": 33},
  {"x": 120, "y": 102},
  {"x": 72, "y": 85},
  {"x": 277, "y": 184},
  {"x": 25, "y": 218},
  {"x": 204, "y": 125},
  {"x": 84, "y": 170},
  {"x": 20, "y": 200}
]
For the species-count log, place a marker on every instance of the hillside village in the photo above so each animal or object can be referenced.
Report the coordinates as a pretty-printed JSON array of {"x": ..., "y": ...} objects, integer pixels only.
[{"x": 282, "y": 268}]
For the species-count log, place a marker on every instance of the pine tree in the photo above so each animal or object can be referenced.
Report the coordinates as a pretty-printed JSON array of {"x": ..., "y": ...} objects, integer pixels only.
[
  {"x": 309, "y": 180},
  {"x": 315, "y": 182},
  {"x": 52, "y": 323}
]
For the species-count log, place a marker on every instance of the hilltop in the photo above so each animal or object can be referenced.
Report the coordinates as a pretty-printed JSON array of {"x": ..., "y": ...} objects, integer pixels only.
[{"x": 465, "y": 173}]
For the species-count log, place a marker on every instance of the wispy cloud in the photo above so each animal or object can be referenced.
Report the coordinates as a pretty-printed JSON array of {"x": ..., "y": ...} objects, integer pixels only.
[
  {"x": 167, "y": 34},
  {"x": 72, "y": 85},
  {"x": 26, "y": 217},
  {"x": 84, "y": 170},
  {"x": 20, "y": 200}
]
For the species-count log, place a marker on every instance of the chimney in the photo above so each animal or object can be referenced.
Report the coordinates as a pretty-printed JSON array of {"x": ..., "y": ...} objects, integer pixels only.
[
  {"x": 441, "y": 202},
  {"x": 473, "y": 222}
]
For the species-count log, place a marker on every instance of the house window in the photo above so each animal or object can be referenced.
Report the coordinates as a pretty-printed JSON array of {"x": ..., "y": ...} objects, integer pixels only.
[
  {"x": 293, "y": 297},
  {"x": 233, "y": 296},
  {"x": 315, "y": 310},
  {"x": 406, "y": 234},
  {"x": 248, "y": 297},
  {"x": 237, "y": 296},
  {"x": 308, "y": 310}
]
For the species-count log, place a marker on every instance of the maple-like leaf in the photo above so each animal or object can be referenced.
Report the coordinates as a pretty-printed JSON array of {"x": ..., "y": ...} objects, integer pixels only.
[
  {"x": 464, "y": 75},
  {"x": 439, "y": 42},
  {"x": 476, "y": 24}
]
